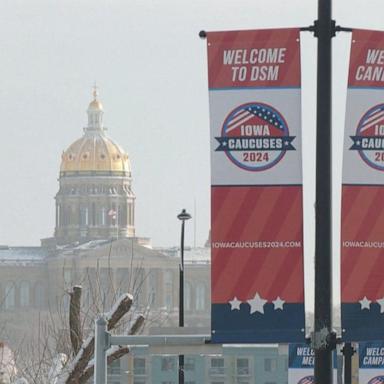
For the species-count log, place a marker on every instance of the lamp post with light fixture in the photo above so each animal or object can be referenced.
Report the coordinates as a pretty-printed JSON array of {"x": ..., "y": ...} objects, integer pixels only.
[{"x": 183, "y": 217}]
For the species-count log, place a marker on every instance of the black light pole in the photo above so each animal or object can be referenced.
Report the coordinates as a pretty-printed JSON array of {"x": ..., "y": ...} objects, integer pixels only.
[
  {"x": 348, "y": 352},
  {"x": 183, "y": 216},
  {"x": 324, "y": 337}
]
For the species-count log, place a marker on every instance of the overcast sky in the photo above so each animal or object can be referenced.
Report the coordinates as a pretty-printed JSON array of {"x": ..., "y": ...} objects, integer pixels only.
[{"x": 150, "y": 66}]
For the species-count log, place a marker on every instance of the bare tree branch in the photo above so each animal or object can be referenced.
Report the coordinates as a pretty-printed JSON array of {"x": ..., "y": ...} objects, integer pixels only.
[
  {"x": 119, "y": 310},
  {"x": 85, "y": 354},
  {"x": 137, "y": 325},
  {"x": 117, "y": 353},
  {"x": 75, "y": 328}
]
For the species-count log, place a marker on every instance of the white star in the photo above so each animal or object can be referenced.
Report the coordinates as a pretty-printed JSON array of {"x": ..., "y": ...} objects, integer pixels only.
[
  {"x": 381, "y": 303},
  {"x": 235, "y": 303},
  {"x": 257, "y": 304},
  {"x": 365, "y": 303},
  {"x": 278, "y": 303}
]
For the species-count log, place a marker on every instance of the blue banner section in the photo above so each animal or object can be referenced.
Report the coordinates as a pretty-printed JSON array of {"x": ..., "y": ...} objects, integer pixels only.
[
  {"x": 371, "y": 355},
  {"x": 256, "y": 143},
  {"x": 301, "y": 356},
  {"x": 367, "y": 143},
  {"x": 362, "y": 324},
  {"x": 272, "y": 326}
]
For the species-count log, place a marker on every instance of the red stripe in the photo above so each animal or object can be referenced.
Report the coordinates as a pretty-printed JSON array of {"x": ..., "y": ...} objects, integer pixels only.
[
  {"x": 277, "y": 216},
  {"x": 270, "y": 261},
  {"x": 361, "y": 268}
]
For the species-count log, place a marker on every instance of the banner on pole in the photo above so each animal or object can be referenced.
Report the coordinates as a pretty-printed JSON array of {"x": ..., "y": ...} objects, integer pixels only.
[
  {"x": 301, "y": 364},
  {"x": 371, "y": 362},
  {"x": 256, "y": 191},
  {"x": 362, "y": 222}
]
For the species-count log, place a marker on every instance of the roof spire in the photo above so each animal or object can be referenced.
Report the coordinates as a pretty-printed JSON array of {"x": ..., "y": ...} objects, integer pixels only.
[
  {"x": 95, "y": 91},
  {"x": 95, "y": 112}
]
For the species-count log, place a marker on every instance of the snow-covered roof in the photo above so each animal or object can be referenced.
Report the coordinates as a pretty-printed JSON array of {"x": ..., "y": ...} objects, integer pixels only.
[
  {"x": 89, "y": 245},
  {"x": 22, "y": 255},
  {"x": 198, "y": 255}
]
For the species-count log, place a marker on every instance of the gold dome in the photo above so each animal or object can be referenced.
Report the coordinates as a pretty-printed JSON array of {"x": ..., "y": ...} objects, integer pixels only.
[
  {"x": 95, "y": 152},
  {"x": 95, "y": 105}
]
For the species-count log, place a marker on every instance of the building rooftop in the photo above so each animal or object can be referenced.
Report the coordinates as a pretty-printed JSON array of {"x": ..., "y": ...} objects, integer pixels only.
[{"x": 22, "y": 255}]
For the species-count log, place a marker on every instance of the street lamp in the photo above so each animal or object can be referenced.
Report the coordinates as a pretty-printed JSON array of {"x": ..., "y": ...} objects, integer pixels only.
[{"x": 183, "y": 216}]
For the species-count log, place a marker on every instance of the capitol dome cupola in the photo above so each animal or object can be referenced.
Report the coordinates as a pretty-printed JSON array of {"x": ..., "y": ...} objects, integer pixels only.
[
  {"x": 95, "y": 112},
  {"x": 95, "y": 199}
]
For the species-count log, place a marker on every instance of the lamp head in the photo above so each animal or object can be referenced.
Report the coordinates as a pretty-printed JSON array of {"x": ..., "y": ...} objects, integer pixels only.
[{"x": 184, "y": 215}]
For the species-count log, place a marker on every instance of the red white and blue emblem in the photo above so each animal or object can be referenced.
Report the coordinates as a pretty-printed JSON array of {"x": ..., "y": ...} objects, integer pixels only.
[
  {"x": 307, "y": 380},
  {"x": 255, "y": 137},
  {"x": 376, "y": 380},
  {"x": 369, "y": 139}
]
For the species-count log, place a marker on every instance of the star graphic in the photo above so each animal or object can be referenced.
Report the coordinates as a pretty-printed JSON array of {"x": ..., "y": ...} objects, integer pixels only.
[
  {"x": 278, "y": 303},
  {"x": 381, "y": 303},
  {"x": 257, "y": 304},
  {"x": 235, "y": 304},
  {"x": 365, "y": 303}
]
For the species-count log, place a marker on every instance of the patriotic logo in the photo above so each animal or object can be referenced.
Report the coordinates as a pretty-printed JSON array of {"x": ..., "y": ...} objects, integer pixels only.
[
  {"x": 307, "y": 380},
  {"x": 376, "y": 380},
  {"x": 255, "y": 137},
  {"x": 369, "y": 139}
]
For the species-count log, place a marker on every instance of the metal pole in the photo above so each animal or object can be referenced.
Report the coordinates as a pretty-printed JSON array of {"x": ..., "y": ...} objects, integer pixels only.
[
  {"x": 101, "y": 347},
  {"x": 181, "y": 301},
  {"x": 348, "y": 352},
  {"x": 324, "y": 31},
  {"x": 183, "y": 216}
]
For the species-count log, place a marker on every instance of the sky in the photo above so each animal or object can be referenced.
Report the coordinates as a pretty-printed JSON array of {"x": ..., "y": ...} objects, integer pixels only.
[{"x": 150, "y": 66}]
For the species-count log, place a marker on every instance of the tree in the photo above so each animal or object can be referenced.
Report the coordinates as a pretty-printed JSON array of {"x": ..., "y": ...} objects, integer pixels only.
[{"x": 52, "y": 366}]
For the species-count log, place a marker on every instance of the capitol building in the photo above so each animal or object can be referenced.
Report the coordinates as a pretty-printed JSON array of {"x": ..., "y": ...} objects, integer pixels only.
[{"x": 94, "y": 244}]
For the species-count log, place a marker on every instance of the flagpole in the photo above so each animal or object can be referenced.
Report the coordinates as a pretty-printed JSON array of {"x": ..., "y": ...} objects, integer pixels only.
[{"x": 323, "y": 337}]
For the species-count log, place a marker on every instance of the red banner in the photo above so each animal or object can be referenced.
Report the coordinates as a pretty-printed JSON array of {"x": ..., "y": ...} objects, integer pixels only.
[
  {"x": 362, "y": 236},
  {"x": 257, "y": 225}
]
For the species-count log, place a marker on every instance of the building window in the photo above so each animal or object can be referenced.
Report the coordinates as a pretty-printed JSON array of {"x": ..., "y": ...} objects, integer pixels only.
[
  {"x": 189, "y": 364},
  {"x": 39, "y": 295},
  {"x": 270, "y": 365},
  {"x": 114, "y": 368},
  {"x": 187, "y": 296},
  {"x": 24, "y": 294},
  {"x": 152, "y": 282},
  {"x": 9, "y": 301},
  {"x": 242, "y": 366},
  {"x": 168, "y": 280},
  {"x": 67, "y": 277},
  {"x": 102, "y": 216},
  {"x": 200, "y": 297},
  {"x": 83, "y": 216},
  {"x": 168, "y": 364},
  {"x": 217, "y": 366},
  {"x": 139, "y": 366}
]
